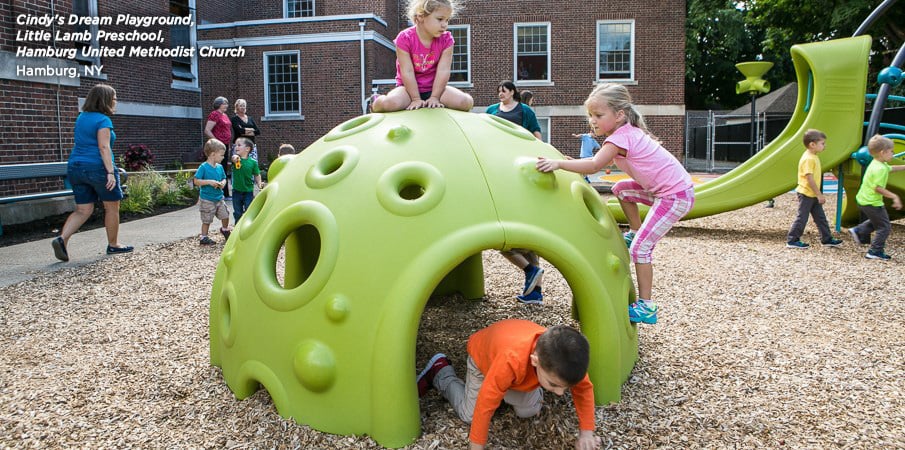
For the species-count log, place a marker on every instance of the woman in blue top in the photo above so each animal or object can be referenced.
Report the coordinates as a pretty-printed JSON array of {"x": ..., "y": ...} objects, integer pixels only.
[
  {"x": 91, "y": 171},
  {"x": 512, "y": 109}
]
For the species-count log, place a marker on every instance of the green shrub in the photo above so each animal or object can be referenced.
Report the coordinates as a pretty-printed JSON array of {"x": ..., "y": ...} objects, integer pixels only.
[{"x": 150, "y": 189}]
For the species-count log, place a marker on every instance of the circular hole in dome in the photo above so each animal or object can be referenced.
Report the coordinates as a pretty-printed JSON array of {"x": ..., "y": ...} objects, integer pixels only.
[
  {"x": 411, "y": 191},
  {"x": 331, "y": 164},
  {"x": 297, "y": 257}
]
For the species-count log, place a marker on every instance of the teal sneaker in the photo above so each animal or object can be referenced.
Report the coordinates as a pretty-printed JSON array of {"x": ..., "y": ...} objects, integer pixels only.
[
  {"x": 832, "y": 243},
  {"x": 878, "y": 254},
  {"x": 629, "y": 236},
  {"x": 798, "y": 245},
  {"x": 643, "y": 312}
]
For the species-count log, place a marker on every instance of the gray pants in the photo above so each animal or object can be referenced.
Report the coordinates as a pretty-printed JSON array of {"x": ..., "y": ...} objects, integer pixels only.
[
  {"x": 463, "y": 395},
  {"x": 877, "y": 220},
  {"x": 809, "y": 206}
]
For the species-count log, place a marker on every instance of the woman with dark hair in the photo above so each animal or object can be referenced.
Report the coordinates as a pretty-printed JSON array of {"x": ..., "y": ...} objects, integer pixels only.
[
  {"x": 91, "y": 171},
  {"x": 512, "y": 109},
  {"x": 220, "y": 127}
]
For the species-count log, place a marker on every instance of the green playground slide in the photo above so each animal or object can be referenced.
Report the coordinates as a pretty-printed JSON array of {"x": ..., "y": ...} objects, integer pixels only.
[{"x": 834, "y": 104}]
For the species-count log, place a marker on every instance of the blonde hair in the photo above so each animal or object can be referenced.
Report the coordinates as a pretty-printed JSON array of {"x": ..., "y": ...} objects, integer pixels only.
[
  {"x": 813, "y": 135},
  {"x": 617, "y": 98},
  {"x": 239, "y": 101},
  {"x": 421, "y": 8},
  {"x": 213, "y": 145},
  {"x": 879, "y": 143}
]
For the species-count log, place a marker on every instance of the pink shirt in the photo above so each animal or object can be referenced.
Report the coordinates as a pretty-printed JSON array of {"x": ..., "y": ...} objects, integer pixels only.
[
  {"x": 424, "y": 60},
  {"x": 648, "y": 163}
]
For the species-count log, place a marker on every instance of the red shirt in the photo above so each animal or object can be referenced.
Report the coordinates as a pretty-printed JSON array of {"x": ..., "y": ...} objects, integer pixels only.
[
  {"x": 223, "y": 127},
  {"x": 501, "y": 352}
]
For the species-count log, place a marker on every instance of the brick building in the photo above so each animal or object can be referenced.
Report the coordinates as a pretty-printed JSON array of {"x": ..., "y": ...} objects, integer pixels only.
[
  {"x": 158, "y": 98},
  {"x": 305, "y": 66}
]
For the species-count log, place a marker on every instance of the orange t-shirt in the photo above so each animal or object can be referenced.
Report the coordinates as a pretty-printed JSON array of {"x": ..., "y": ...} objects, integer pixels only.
[{"x": 501, "y": 352}]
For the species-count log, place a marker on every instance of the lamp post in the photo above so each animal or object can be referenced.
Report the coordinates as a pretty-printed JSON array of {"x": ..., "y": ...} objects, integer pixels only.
[{"x": 752, "y": 84}]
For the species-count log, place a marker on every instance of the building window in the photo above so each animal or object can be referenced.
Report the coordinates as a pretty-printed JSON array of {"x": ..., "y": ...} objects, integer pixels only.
[
  {"x": 461, "y": 60},
  {"x": 282, "y": 84},
  {"x": 299, "y": 8},
  {"x": 544, "y": 123},
  {"x": 86, "y": 8},
  {"x": 616, "y": 50},
  {"x": 532, "y": 52},
  {"x": 185, "y": 69}
]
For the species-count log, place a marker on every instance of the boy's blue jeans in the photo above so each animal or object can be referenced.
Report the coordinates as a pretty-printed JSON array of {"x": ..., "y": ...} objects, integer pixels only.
[{"x": 241, "y": 202}]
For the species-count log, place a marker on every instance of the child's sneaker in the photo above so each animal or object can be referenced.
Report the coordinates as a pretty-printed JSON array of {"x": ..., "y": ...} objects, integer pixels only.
[
  {"x": 642, "y": 311},
  {"x": 205, "y": 240},
  {"x": 426, "y": 378},
  {"x": 533, "y": 275},
  {"x": 797, "y": 244},
  {"x": 855, "y": 237},
  {"x": 225, "y": 232},
  {"x": 832, "y": 243},
  {"x": 881, "y": 255},
  {"x": 533, "y": 298},
  {"x": 629, "y": 236}
]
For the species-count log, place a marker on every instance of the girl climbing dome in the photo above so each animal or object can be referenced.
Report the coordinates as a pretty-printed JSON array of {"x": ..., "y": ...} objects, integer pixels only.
[{"x": 657, "y": 180}]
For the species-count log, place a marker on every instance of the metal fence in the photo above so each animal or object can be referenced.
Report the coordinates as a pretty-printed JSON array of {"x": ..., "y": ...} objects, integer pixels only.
[{"x": 716, "y": 141}]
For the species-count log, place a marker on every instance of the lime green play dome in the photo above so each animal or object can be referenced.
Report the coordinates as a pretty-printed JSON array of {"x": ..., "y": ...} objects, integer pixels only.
[{"x": 374, "y": 217}]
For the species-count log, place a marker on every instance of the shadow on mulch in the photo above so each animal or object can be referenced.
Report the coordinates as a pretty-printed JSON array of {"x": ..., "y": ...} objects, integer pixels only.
[{"x": 49, "y": 227}]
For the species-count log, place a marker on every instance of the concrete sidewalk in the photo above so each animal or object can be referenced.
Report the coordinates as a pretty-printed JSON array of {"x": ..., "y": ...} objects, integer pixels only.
[{"x": 24, "y": 261}]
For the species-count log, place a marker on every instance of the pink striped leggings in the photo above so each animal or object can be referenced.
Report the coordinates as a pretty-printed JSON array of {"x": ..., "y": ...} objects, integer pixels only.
[{"x": 664, "y": 212}]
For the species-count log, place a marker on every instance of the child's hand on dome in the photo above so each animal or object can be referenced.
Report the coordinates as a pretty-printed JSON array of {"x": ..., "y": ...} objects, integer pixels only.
[
  {"x": 415, "y": 104},
  {"x": 546, "y": 165}
]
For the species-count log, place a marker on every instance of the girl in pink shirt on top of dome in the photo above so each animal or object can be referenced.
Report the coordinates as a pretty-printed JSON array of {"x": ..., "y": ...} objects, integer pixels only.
[
  {"x": 423, "y": 61},
  {"x": 658, "y": 180}
]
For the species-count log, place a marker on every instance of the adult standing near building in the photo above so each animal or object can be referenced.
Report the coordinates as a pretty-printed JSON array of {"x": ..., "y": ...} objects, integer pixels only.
[
  {"x": 244, "y": 125},
  {"x": 512, "y": 109},
  {"x": 219, "y": 126},
  {"x": 91, "y": 171}
]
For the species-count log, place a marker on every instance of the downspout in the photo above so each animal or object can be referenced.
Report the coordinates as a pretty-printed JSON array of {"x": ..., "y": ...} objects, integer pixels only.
[
  {"x": 361, "y": 28},
  {"x": 59, "y": 117}
]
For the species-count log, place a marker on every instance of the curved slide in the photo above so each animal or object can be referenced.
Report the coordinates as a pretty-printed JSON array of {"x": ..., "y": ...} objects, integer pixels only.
[{"x": 834, "y": 104}]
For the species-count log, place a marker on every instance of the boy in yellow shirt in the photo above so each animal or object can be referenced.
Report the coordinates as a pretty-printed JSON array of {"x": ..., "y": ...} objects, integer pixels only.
[{"x": 810, "y": 198}]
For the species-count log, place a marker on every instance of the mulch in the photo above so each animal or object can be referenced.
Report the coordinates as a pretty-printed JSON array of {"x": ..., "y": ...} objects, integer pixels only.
[{"x": 758, "y": 346}]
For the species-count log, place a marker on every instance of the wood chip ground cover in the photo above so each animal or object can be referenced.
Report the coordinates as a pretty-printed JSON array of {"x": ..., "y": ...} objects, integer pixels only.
[{"x": 758, "y": 346}]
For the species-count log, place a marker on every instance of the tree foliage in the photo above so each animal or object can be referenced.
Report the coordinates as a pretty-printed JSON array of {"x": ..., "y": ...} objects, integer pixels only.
[{"x": 720, "y": 33}]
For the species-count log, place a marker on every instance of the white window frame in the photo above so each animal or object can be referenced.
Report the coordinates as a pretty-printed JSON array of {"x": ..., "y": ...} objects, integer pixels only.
[
  {"x": 515, "y": 53},
  {"x": 542, "y": 121},
  {"x": 467, "y": 82},
  {"x": 93, "y": 43},
  {"x": 193, "y": 40},
  {"x": 631, "y": 78},
  {"x": 286, "y": 10},
  {"x": 266, "y": 72}
]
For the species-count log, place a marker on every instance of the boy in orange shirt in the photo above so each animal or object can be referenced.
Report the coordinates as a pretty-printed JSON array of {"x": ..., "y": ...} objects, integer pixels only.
[{"x": 519, "y": 359}]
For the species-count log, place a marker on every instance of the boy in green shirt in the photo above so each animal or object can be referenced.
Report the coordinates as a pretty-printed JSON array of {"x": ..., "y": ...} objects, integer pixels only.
[
  {"x": 810, "y": 198},
  {"x": 870, "y": 199},
  {"x": 246, "y": 176}
]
